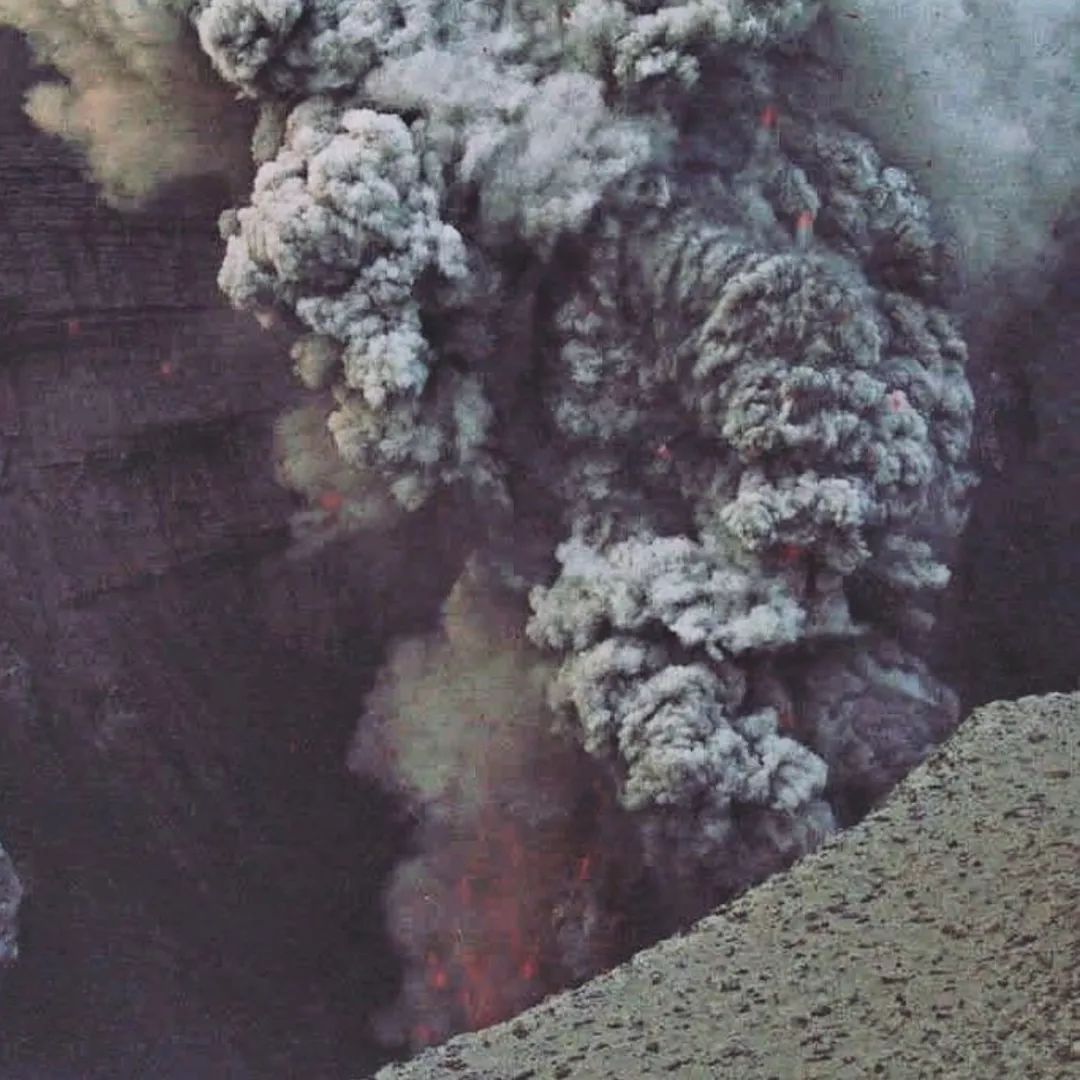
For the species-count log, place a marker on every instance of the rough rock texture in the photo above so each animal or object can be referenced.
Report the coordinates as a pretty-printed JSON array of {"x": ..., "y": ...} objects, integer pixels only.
[
  {"x": 937, "y": 938},
  {"x": 176, "y": 693}
]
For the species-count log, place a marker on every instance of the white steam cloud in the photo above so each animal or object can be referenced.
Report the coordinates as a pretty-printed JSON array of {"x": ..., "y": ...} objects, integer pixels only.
[{"x": 612, "y": 275}]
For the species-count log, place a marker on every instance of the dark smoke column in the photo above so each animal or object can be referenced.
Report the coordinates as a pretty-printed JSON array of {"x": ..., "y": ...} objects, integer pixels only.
[{"x": 594, "y": 270}]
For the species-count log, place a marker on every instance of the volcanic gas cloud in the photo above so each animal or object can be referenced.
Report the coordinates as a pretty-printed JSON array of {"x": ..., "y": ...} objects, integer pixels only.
[{"x": 598, "y": 274}]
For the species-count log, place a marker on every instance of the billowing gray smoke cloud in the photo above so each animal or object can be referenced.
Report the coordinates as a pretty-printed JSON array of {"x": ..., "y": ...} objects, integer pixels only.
[
  {"x": 602, "y": 272},
  {"x": 599, "y": 269},
  {"x": 980, "y": 99}
]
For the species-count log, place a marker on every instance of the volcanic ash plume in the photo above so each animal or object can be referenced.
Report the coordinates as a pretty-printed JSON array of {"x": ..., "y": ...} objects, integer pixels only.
[
  {"x": 138, "y": 97},
  {"x": 597, "y": 272}
]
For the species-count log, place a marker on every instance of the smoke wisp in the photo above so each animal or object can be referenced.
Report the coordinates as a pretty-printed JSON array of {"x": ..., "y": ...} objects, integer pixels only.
[
  {"x": 978, "y": 100},
  {"x": 137, "y": 96}
]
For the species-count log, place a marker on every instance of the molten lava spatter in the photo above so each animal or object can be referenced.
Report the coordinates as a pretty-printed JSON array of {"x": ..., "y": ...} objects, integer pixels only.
[
  {"x": 495, "y": 948},
  {"x": 522, "y": 857}
]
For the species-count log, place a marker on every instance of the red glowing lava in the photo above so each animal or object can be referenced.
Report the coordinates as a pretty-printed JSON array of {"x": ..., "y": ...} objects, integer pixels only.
[
  {"x": 498, "y": 943},
  {"x": 331, "y": 501},
  {"x": 495, "y": 953},
  {"x": 792, "y": 554}
]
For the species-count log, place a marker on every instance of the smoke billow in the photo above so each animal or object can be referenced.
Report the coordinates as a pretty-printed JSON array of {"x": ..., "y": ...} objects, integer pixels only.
[
  {"x": 521, "y": 853},
  {"x": 977, "y": 98},
  {"x": 138, "y": 97},
  {"x": 610, "y": 275},
  {"x": 598, "y": 270}
]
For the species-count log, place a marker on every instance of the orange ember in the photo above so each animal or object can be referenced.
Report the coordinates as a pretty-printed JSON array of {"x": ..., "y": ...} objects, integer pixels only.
[
  {"x": 438, "y": 976},
  {"x": 423, "y": 1035},
  {"x": 769, "y": 117},
  {"x": 791, "y": 553},
  {"x": 331, "y": 501},
  {"x": 487, "y": 962}
]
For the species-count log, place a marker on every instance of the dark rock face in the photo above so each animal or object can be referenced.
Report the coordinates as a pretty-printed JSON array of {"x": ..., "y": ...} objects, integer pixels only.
[
  {"x": 1015, "y": 624},
  {"x": 203, "y": 875}
]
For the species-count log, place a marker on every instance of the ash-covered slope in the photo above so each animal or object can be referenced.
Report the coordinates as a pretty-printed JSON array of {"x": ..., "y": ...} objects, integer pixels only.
[{"x": 936, "y": 938}]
